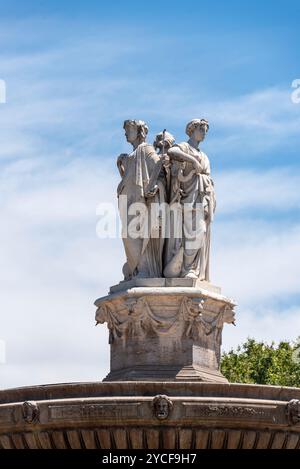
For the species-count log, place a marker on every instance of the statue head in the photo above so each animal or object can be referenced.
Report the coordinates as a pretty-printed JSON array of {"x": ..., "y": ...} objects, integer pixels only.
[
  {"x": 197, "y": 129},
  {"x": 293, "y": 411},
  {"x": 135, "y": 131},
  {"x": 162, "y": 407},
  {"x": 30, "y": 411},
  {"x": 229, "y": 314},
  {"x": 158, "y": 142}
]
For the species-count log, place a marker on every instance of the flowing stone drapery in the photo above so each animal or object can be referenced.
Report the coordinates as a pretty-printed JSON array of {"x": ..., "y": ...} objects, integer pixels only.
[
  {"x": 143, "y": 253},
  {"x": 165, "y": 332},
  {"x": 194, "y": 202}
]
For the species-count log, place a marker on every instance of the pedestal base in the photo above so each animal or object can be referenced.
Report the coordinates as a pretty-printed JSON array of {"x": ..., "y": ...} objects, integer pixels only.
[
  {"x": 167, "y": 373},
  {"x": 165, "y": 332}
]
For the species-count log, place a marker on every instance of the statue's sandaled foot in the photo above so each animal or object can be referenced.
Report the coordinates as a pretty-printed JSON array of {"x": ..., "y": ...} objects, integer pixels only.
[{"x": 191, "y": 275}]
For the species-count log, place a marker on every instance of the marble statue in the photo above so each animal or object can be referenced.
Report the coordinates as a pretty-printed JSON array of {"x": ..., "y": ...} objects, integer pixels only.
[
  {"x": 192, "y": 195},
  {"x": 162, "y": 143},
  {"x": 166, "y": 319},
  {"x": 141, "y": 185},
  {"x": 176, "y": 245}
]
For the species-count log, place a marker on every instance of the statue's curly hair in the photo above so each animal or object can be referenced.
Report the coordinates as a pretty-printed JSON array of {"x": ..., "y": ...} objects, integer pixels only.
[
  {"x": 193, "y": 124},
  {"x": 142, "y": 127},
  {"x": 162, "y": 397}
]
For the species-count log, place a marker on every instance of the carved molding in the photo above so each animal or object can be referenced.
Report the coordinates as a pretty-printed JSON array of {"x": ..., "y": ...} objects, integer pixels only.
[
  {"x": 293, "y": 412},
  {"x": 146, "y": 437},
  {"x": 88, "y": 412},
  {"x": 222, "y": 410},
  {"x": 30, "y": 412},
  {"x": 191, "y": 311},
  {"x": 105, "y": 314},
  {"x": 140, "y": 319},
  {"x": 162, "y": 407}
]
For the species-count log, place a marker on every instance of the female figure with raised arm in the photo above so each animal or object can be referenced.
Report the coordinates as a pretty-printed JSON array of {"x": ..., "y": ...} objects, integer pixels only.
[{"x": 194, "y": 191}]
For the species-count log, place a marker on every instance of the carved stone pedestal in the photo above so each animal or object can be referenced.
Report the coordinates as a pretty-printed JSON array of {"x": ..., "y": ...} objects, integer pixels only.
[{"x": 165, "y": 333}]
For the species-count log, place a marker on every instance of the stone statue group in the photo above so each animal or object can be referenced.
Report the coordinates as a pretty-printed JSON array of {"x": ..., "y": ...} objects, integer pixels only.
[{"x": 171, "y": 175}]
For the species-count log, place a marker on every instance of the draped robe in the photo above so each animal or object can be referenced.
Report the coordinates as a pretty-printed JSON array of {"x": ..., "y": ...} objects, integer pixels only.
[
  {"x": 144, "y": 254},
  {"x": 189, "y": 192}
]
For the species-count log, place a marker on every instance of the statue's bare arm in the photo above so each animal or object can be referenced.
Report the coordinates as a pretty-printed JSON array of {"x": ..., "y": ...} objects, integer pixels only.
[
  {"x": 176, "y": 154},
  {"x": 121, "y": 163}
]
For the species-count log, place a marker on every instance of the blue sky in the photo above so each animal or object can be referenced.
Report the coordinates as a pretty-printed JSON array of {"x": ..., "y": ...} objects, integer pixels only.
[{"x": 74, "y": 71}]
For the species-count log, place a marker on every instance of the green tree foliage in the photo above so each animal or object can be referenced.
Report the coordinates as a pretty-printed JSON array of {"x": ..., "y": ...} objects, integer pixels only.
[{"x": 260, "y": 363}]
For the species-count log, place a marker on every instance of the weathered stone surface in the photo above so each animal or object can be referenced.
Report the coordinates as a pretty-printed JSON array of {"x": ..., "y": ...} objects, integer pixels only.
[
  {"x": 165, "y": 333},
  {"x": 149, "y": 415},
  {"x": 165, "y": 282},
  {"x": 293, "y": 411}
]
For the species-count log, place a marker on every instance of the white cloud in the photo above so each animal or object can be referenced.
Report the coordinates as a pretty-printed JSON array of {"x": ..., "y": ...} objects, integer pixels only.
[
  {"x": 270, "y": 109},
  {"x": 245, "y": 125},
  {"x": 256, "y": 234},
  {"x": 263, "y": 324},
  {"x": 272, "y": 190},
  {"x": 255, "y": 261}
]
